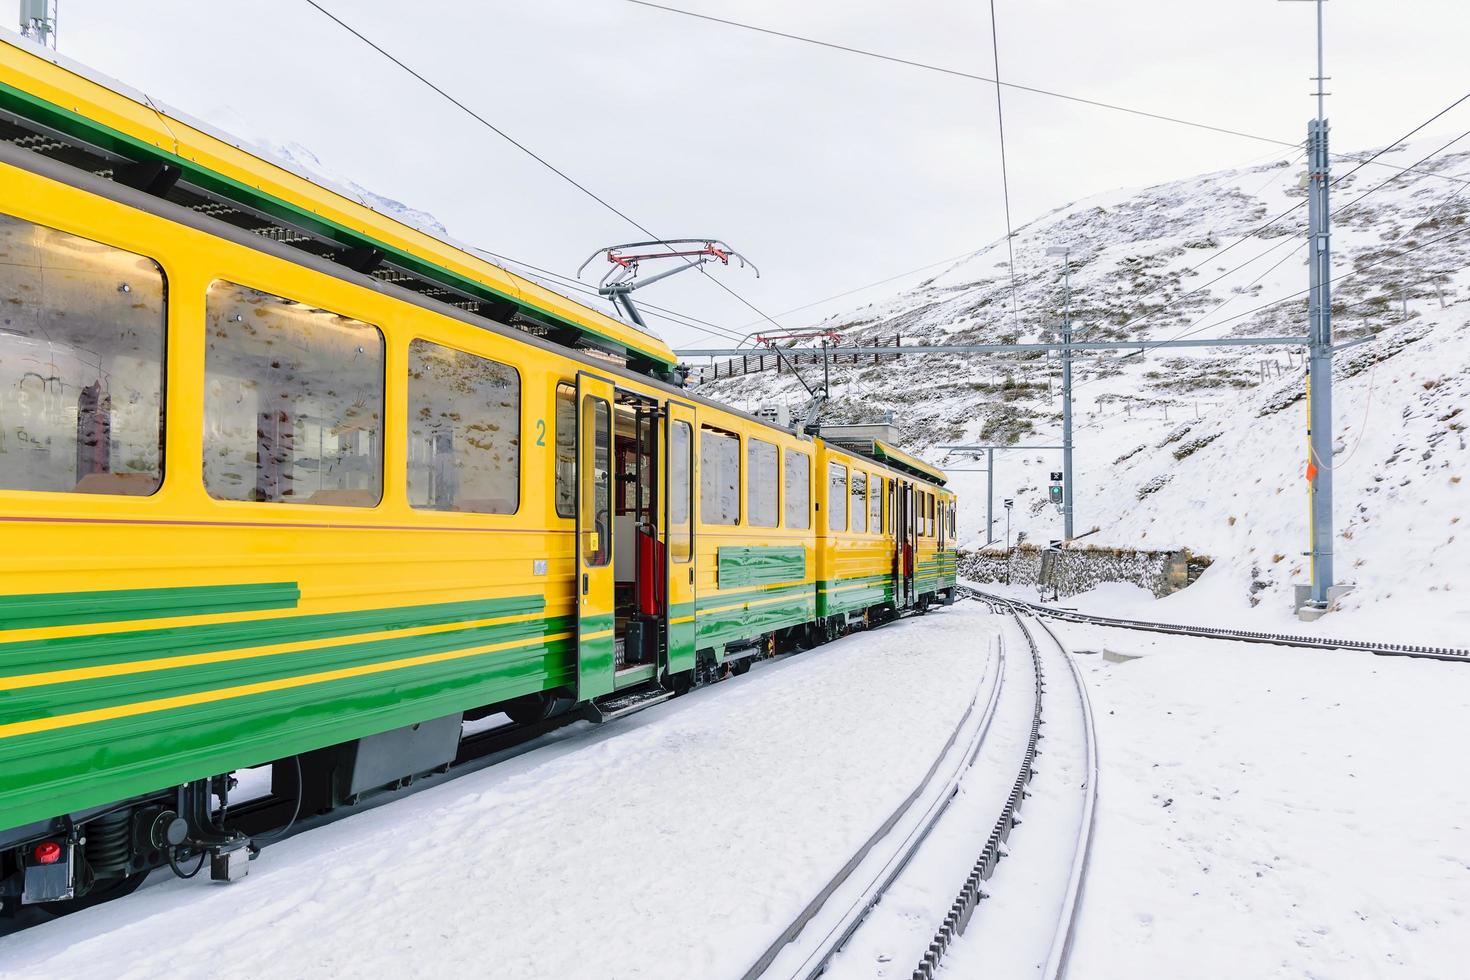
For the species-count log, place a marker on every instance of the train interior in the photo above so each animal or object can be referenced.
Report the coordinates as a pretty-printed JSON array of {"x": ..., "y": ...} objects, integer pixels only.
[{"x": 638, "y": 552}]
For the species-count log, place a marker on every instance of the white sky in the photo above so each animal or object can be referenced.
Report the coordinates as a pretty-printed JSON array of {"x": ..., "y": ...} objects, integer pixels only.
[{"x": 827, "y": 169}]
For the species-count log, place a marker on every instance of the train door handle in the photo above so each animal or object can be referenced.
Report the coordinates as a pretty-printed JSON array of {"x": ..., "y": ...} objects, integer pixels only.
[
  {"x": 691, "y": 576},
  {"x": 585, "y": 583}
]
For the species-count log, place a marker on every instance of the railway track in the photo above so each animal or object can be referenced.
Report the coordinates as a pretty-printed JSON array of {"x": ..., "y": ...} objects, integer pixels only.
[
  {"x": 1457, "y": 654},
  {"x": 808, "y": 945}
]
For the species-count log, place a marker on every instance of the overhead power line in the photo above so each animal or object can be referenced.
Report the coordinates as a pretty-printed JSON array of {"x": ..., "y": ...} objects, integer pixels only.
[
  {"x": 1005, "y": 180},
  {"x": 511, "y": 140},
  {"x": 971, "y": 76},
  {"x": 1256, "y": 232}
]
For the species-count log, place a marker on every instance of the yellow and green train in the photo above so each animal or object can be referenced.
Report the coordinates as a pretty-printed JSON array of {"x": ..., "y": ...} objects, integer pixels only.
[{"x": 284, "y": 481}]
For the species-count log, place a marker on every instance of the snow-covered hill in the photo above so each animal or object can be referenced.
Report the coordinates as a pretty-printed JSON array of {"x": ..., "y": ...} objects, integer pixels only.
[{"x": 1206, "y": 449}]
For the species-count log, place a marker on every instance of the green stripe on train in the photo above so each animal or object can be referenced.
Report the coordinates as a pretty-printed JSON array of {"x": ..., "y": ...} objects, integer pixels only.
[
  {"x": 120, "y": 605},
  {"x": 51, "y": 700},
  {"x": 49, "y": 773},
  {"x": 67, "y": 652}
]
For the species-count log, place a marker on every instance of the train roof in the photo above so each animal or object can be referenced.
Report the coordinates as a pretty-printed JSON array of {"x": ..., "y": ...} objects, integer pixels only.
[
  {"x": 64, "y": 110},
  {"x": 912, "y": 465}
]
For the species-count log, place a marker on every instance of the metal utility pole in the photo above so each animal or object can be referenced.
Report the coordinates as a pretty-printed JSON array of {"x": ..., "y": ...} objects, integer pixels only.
[
  {"x": 989, "y": 497},
  {"x": 38, "y": 21},
  {"x": 1066, "y": 392},
  {"x": 1319, "y": 347}
]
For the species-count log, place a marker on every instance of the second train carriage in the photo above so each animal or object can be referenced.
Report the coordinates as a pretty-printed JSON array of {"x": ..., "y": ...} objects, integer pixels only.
[{"x": 262, "y": 504}]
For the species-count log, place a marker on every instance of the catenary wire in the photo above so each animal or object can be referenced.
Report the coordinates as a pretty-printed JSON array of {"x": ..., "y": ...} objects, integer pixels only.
[
  {"x": 1256, "y": 232},
  {"x": 971, "y": 76},
  {"x": 1005, "y": 180},
  {"x": 521, "y": 146}
]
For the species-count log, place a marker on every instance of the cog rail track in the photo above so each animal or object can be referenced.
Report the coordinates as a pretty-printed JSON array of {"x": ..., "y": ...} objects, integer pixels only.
[
  {"x": 900, "y": 836},
  {"x": 1455, "y": 654},
  {"x": 970, "y": 896}
]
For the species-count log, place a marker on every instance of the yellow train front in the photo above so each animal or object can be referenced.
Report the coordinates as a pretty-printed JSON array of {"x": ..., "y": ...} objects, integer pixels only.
[{"x": 286, "y": 482}]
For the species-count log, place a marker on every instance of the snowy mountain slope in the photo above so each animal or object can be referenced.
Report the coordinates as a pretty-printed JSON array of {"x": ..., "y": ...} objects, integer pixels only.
[{"x": 1206, "y": 448}]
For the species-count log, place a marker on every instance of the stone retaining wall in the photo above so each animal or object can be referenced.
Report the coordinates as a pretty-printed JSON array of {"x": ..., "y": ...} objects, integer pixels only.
[{"x": 1076, "y": 570}]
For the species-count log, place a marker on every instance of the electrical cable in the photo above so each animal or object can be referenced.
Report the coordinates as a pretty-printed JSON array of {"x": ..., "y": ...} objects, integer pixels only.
[
  {"x": 1198, "y": 326},
  {"x": 1005, "y": 181},
  {"x": 515, "y": 142},
  {"x": 1255, "y": 232},
  {"x": 173, "y": 863},
  {"x": 924, "y": 66}
]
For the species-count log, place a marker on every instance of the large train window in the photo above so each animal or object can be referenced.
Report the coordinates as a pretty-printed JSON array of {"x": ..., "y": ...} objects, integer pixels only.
[
  {"x": 797, "y": 488},
  {"x": 566, "y": 451},
  {"x": 761, "y": 486},
  {"x": 836, "y": 497},
  {"x": 875, "y": 506},
  {"x": 859, "y": 508},
  {"x": 293, "y": 402},
  {"x": 464, "y": 421},
  {"x": 681, "y": 491},
  {"x": 719, "y": 476},
  {"x": 81, "y": 364}
]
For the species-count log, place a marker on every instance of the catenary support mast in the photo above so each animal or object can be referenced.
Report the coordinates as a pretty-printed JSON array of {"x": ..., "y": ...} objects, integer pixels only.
[{"x": 1319, "y": 371}]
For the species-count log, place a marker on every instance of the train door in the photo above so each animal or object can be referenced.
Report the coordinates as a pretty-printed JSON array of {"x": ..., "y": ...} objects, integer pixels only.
[
  {"x": 681, "y": 480},
  {"x": 595, "y": 578},
  {"x": 906, "y": 542}
]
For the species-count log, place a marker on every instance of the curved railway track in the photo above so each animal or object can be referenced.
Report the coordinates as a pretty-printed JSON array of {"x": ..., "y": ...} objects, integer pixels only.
[
  {"x": 963, "y": 908},
  {"x": 808, "y": 944},
  {"x": 1458, "y": 654}
]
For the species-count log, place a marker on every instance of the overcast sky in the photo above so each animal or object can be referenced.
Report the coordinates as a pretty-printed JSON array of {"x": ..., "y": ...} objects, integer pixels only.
[{"x": 827, "y": 169}]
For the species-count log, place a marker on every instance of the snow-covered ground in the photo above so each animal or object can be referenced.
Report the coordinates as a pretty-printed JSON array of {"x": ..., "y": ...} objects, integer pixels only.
[
  {"x": 1262, "y": 812},
  {"x": 675, "y": 843},
  {"x": 1274, "y": 812}
]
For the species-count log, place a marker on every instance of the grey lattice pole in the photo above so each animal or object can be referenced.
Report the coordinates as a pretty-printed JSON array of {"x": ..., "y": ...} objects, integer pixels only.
[
  {"x": 1319, "y": 333},
  {"x": 1066, "y": 391}
]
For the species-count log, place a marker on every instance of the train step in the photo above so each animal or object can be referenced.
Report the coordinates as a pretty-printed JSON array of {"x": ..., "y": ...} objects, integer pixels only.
[{"x": 626, "y": 703}]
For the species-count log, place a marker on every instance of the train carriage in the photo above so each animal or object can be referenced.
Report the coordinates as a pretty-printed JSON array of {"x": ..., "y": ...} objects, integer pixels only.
[{"x": 286, "y": 482}]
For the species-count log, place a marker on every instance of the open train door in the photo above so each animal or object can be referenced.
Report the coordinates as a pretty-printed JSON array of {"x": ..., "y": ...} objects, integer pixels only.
[
  {"x": 594, "y": 585},
  {"x": 681, "y": 479},
  {"x": 905, "y": 544}
]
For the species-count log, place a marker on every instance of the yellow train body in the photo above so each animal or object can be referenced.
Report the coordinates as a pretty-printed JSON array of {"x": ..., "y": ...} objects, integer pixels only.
[{"x": 176, "y": 611}]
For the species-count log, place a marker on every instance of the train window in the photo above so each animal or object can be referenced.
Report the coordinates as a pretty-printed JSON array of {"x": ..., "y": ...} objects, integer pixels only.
[
  {"x": 858, "y": 490},
  {"x": 719, "y": 476},
  {"x": 566, "y": 450},
  {"x": 81, "y": 364},
  {"x": 892, "y": 510},
  {"x": 597, "y": 491},
  {"x": 929, "y": 513},
  {"x": 875, "y": 506},
  {"x": 798, "y": 490},
  {"x": 761, "y": 483},
  {"x": 464, "y": 431},
  {"x": 293, "y": 402},
  {"x": 836, "y": 497},
  {"x": 681, "y": 491}
]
